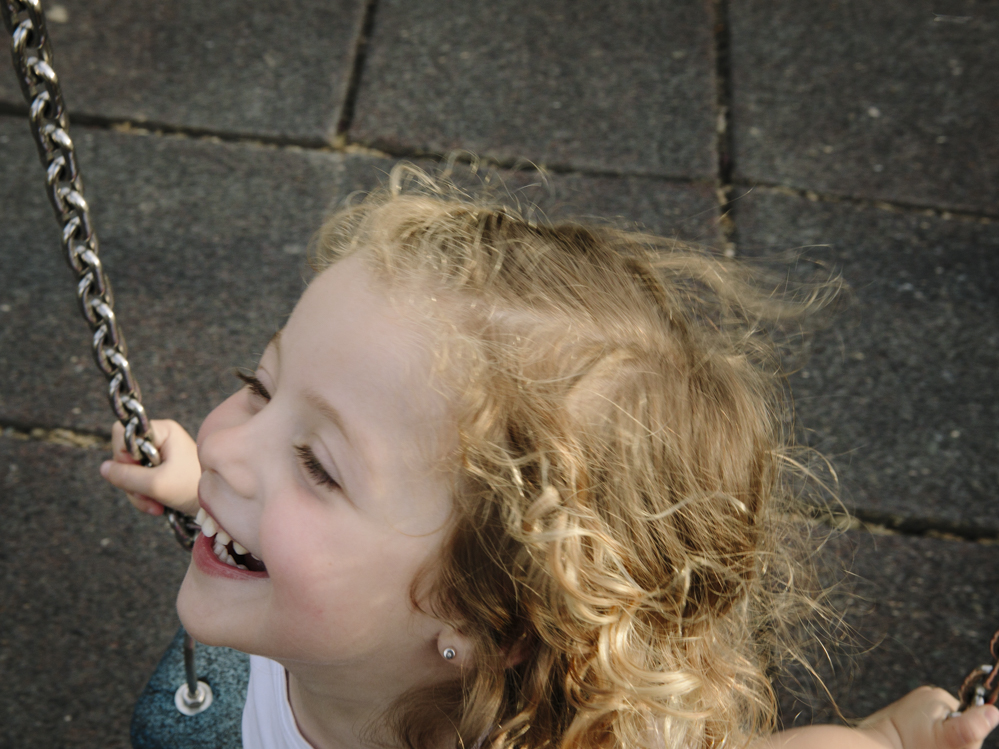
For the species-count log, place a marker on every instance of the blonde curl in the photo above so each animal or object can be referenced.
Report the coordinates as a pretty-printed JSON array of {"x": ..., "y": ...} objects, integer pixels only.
[{"x": 622, "y": 551}]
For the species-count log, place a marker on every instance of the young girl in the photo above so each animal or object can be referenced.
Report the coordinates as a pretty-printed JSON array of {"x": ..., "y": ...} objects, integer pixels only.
[{"x": 505, "y": 485}]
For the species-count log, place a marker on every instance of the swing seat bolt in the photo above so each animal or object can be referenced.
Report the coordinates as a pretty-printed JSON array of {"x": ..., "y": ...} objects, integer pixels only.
[{"x": 189, "y": 704}]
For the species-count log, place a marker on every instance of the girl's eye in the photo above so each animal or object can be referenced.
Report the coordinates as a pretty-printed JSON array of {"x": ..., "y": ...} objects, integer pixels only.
[
  {"x": 256, "y": 386},
  {"x": 315, "y": 468}
]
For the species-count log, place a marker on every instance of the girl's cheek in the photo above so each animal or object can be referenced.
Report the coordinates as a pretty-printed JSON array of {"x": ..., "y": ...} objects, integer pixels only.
[
  {"x": 287, "y": 540},
  {"x": 302, "y": 566},
  {"x": 308, "y": 544}
]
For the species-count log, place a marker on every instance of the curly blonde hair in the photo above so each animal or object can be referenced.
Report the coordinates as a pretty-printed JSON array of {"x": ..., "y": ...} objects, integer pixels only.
[{"x": 621, "y": 551}]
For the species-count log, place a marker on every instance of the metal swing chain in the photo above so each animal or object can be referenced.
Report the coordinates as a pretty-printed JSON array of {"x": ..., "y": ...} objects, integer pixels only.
[
  {"x": 981, "y": 686},
  {"x": 32, "y": 53}
]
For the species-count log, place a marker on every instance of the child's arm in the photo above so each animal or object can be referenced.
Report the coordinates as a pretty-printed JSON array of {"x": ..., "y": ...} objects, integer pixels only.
[
  {"x": 174, "y": 482},
  {"x": 917, "y": 721}
]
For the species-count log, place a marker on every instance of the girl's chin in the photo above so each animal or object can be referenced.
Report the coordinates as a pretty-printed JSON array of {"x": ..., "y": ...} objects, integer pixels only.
[{"x": 208, "y": 619}]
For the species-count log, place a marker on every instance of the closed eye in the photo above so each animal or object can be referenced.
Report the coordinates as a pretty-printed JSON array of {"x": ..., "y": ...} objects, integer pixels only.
[
  {"x": 314, "y": 468},
  {"x": 256, "y": 386}
]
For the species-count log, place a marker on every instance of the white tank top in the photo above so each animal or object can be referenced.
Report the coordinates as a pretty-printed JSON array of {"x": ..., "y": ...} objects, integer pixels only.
[{"x": 268, "y": 722}]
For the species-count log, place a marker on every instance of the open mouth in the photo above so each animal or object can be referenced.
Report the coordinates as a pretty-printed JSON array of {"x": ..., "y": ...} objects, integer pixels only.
[{"x": 226, "y": 548}]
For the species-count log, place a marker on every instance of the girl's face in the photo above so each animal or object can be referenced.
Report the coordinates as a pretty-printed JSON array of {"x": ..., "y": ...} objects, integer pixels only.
[{"x": 327, "y": 468}]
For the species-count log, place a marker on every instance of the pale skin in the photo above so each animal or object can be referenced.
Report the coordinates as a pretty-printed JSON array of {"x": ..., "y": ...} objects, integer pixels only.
[{"x": 327, "y": 467}]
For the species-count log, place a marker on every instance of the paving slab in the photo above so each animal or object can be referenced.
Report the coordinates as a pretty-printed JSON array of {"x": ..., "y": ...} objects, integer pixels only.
[
  {"x": 923, "y": 611},
  {"x": 205, "y": 245},
  {"x": 686, "y": 211},
  {"x": 271, "y": 68},
  {"x": 900, "y": 391},
  {"x": 87, "y": 592},
  {"x": 895, "y": 100},
  {"x": 568, "y": 82}
]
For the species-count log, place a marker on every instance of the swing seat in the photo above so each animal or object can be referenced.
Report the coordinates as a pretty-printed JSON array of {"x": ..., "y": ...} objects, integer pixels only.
[{"x": 156, "y": 722}]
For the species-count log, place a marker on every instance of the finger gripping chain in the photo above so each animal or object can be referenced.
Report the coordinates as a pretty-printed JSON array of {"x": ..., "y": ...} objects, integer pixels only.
[
  {"x": 981, "y": 686},
  {"x": 31, "y": 50}
]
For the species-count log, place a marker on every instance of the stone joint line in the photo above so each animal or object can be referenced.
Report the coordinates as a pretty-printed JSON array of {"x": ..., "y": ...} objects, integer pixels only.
[
  {"x": 344, "y": 146},
  {"x": 853, "y": 519}
]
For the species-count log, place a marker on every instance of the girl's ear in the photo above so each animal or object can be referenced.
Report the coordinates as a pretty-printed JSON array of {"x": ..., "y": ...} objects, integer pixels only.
[
  {"x": 519, "y": 651},
  {"x": 454, "y": 647}
]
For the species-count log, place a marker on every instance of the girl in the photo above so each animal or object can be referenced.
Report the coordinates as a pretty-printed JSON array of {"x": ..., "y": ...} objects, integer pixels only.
[{"x": 503, "y": 485}]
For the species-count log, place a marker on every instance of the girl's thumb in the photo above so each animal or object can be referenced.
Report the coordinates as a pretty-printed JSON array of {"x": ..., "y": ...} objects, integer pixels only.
[{"x": 970, "y": 727}]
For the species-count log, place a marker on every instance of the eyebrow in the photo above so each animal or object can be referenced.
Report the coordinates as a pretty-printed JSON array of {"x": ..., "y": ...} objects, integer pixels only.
[
  {"x": 317, "y": 401},
  {"x": 275, "y": 341},
  {"x": 330, "y": 413}
]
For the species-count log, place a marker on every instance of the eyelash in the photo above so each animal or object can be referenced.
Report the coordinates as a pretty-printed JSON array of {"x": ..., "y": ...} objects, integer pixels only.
[
  {"x": 256, "y": 386},
  {"x": 314, "y": 468},
  {"x": 308, "y": 458}
]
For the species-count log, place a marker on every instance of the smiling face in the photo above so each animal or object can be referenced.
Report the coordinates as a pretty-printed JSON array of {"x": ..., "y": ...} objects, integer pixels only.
[{"x": 327, "y": 467}]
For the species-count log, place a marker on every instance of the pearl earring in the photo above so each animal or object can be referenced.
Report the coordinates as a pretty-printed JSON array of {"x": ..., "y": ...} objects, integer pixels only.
[{"x": 448, "y": 654}]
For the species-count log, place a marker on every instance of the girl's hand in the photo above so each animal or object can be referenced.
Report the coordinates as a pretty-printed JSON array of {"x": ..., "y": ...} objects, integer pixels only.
[
  {"x": 919, "y": 721},
  {"x": 174, "y": 482}
]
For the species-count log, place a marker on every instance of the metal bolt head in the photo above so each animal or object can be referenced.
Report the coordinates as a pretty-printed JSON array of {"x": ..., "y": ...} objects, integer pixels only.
[{"x": 189, "y": 704}]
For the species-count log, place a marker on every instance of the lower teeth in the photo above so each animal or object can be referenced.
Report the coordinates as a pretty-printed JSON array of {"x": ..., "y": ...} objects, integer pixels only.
[
  {"x": 227, "y": 553},
  {"x": 224, "y": 555}
]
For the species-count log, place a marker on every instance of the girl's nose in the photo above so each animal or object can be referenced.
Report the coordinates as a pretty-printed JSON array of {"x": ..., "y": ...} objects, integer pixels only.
[{"x": 228, "y": 445}]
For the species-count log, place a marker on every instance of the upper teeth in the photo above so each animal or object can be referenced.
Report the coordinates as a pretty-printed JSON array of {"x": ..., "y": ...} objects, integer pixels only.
[
  {"x": 210, "y": 528},
  {"x": 207, "y": 523}
]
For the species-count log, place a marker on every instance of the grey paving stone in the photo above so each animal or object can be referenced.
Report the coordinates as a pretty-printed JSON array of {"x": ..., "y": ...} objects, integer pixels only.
[
  {"x": 567, "y": 82},
  {"x": 87, "y": 591},
  {"x": 686, "y": 211},
  {"x": 205, "y": 246},
  {"x": 900, "y": 391},
  {"x": 204, "y": 243},
  {"x": 880, "y": 99},
  {"x": 269, "y": 68},
  {"x": 87, "y": 588},
  {"x": 922, "y": 610}
]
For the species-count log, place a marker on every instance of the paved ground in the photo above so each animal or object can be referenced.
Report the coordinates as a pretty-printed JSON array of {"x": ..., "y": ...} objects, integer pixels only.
[{"x": 214, "y": 135}]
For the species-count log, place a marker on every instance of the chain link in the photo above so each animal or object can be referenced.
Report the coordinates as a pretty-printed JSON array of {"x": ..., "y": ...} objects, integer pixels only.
[
  {"x": 981, "y": 686},
  {"x": 31, "y": 49}
]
